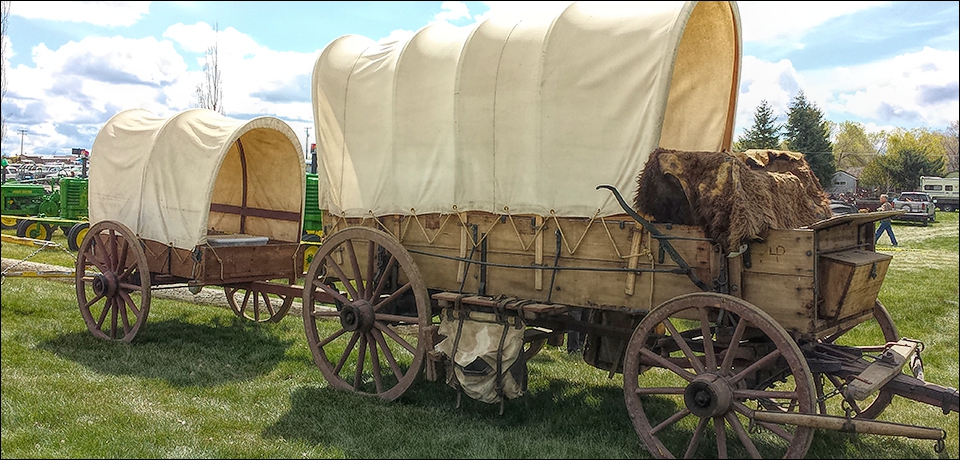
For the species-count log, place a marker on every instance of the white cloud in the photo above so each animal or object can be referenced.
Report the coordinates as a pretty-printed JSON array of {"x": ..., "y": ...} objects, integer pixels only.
[
  {"x": 907, "y": 90},
  {"x": 108, "y": 14},
  {"x": 787, "y": 22},
  {"x": 452, "y": 11}
]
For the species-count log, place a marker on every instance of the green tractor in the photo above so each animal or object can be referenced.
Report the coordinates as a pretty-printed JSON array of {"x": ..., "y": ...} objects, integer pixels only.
[{"x": 36, "y": 212}]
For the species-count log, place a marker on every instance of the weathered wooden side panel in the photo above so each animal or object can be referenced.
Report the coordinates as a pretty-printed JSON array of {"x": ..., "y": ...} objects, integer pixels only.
[
  {"x": 523, "y": 250},
  {"x": 224, "y": 265},
  {"x": 779, "y": 277}
]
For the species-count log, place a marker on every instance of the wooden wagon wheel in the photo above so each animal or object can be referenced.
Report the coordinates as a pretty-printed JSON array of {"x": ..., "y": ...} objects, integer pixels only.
[
  {"x": 382, "y": 307},
  {"x": 113, "y": 282},
  {"x": 256, "y": 305},
  {"x": 871, "y": 407},
  {"x": 749, "y": 364}
]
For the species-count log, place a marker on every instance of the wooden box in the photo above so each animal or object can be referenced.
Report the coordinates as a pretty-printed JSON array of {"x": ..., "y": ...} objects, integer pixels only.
[{"x": 850, "y": 281}]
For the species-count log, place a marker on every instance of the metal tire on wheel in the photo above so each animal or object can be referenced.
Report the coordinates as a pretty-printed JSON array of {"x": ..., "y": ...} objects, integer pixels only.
[
  {"x": 749, "y": 365},
  {"x": 871, "y": 407},
  {"x": 113, "y": 282},
  {"x": 76, "y": 234},
  {"x": 251, "y": 303},
  {"x": 28, "y": 228},
  {"x": 370, "y": 337}
]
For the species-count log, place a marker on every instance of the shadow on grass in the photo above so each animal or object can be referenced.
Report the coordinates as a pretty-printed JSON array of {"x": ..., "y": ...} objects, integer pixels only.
[
  {"x": 562, "y": 420},
  {"x": 181, "y": 353}
]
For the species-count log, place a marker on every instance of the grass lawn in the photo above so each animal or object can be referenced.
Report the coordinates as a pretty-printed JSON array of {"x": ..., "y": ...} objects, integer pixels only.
[{"x": 199, "y": 382}]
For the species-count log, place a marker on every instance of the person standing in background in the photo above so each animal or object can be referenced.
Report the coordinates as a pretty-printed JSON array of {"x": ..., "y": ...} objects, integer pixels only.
[{"x": 885, "y": 225}]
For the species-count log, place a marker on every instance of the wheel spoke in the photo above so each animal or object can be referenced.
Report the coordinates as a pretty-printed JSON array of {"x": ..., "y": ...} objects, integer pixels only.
[
  {"x": 114, "y": 309},
  {"x": 346, "y": 353},
  {"x": 775, "y": 429},
  {"x": 129, "y": 301},
  {"x": 734, "y": 345},
  {"x": 331, "y": 338},
  {"x": 358, "y": 277},
  {"x": 343, "y": 278},
  {"x": 695, "y": 439},
  {"x": 758, "y": 364},
  {"x": 667, "y": 364},
  {"x": 396, "y": 337},
  {"x": 371, "y": 264},
  {"x": 659, "y": 391},
  {"x": 375, "y": 364},
  {"x": 670, "y": 420},
  {"x": 684, "y": 346},
  {"x": 721, "y": 432},
  {"x": 394, "y": 296},
  {"x": 332, "y": 291},
  {"x": 90, "y": 302},
  {"x": 361, "y": 354},
  {"x": 122, "y": 256},
  {"x": 104, "y": 313},
  {"x": 383, "y": 278},
  {"x": 113, "y": 253},
  {"x": 378, "y": 336},
  {"x": 742, "y": 434},
  {"x": 708, "y": 353}
]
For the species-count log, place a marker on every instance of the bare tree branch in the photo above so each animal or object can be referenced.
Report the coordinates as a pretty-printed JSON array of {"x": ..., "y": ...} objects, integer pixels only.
[{"x": 210, "y": 91}]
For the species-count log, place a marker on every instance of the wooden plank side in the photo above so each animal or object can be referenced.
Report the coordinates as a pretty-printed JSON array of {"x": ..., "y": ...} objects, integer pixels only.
[
  {"x": 783, "y": 252},
  {"x": 249, "y": 263},
  {"x": 842, "y": 237},
  {"x": 789, "y": 299},
  {"x": 437, "y": 242}
]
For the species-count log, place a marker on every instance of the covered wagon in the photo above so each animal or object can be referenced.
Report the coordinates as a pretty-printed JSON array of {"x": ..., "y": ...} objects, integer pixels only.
[{"x": 192, "y": 199}]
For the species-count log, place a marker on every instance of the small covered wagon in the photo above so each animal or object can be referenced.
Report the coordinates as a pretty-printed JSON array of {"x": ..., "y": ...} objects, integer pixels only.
[
  {"x": 191, "y": 200},
  {"x": 471, "y": 182}
]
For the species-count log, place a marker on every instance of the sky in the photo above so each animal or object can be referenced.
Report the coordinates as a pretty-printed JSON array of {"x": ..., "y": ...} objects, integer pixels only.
[{"x": 70, "y": 66}]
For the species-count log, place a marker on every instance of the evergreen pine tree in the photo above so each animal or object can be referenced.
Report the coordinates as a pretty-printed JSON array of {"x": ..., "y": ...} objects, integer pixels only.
[
  {"x": 807, "y": 132},
  {"x": 764, "y": 134}
]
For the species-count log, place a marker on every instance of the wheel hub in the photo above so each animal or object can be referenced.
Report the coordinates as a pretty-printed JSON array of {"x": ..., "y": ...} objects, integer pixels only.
[
  {"x": 357, "y": 316},
  {"x": 708, "y": 395},
  {"x": 105, "y": 284}
]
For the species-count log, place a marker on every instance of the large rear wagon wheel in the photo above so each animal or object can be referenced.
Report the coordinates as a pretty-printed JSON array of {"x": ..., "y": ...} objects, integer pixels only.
[
  {"x": 880, "y": 331},
  {"x": 698, "y": 399},
  {"x": 371, "y": 338},
  {"x": 113, "y": 282},
  {"x": 247, "y": 301}
]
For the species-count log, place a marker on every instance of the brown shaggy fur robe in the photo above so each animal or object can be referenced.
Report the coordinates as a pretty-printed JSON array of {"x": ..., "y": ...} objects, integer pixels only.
[{"x": 734, "y": 197}]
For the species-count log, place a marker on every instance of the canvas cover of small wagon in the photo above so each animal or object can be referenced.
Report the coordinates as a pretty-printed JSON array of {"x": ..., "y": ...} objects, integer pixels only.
[
  {"x": 198, "y": 179},
  {"x": 526, "y": 115}
]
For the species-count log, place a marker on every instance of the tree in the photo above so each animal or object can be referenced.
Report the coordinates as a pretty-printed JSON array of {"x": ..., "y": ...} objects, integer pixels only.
[
  {"x": 4, "y": 14},
  {"x": 808, "y": 133},
  {"x": 764, "y": 134},
  {"x": 210, "y": 91},
  {"x": 950, "y": 146},
  {"x": 852, "y": 146}
]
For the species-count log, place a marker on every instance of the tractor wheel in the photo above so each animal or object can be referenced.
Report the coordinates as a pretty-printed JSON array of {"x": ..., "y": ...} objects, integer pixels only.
[
  {"x": 28, "y": 228},
  {"x": 75, "y": 235}
]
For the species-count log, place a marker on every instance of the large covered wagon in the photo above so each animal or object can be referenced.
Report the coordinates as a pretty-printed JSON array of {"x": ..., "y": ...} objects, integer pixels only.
[
  {"x": 194, "y": 199},
  {"x": 472, "y": 181}
]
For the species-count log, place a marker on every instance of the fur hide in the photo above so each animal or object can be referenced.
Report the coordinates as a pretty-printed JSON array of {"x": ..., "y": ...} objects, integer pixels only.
[{"x": 735, "y": 197}]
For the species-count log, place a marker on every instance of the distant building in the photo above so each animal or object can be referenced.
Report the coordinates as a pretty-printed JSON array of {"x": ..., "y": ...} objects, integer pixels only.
[{"x": 843, "y": 182}]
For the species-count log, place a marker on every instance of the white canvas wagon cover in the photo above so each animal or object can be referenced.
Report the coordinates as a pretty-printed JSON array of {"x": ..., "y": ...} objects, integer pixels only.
[
  {"x": 527, "y": 115},
  {"x": 173, "y": 180}
]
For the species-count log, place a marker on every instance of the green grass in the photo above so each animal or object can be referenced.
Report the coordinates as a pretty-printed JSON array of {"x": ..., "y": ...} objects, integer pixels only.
[{"x": 201, "y": 383}]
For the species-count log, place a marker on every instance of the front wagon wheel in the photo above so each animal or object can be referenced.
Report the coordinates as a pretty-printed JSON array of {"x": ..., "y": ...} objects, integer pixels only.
[
  {"x": 700, "y": 370},
  {"x": 113, "y": 282},
  {"x": 366, "y": 311}
]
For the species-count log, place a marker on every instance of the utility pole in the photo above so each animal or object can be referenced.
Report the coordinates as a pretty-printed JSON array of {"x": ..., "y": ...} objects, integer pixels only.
[
  {"x": 22, "y": 132},
  {"x": 306, "y": 145}
]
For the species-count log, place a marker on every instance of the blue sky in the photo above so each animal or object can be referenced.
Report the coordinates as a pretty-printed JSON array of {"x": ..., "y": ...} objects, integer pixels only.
[{"x": 72, "y": 65}]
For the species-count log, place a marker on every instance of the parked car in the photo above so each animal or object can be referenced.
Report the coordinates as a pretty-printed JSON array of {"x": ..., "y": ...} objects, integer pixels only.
[
  {"x": 919, "y": 206},
  {"x": 840, "y": 208}
]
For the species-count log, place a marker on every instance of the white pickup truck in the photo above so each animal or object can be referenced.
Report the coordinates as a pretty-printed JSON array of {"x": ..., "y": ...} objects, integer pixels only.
[{"x": 919, "y": 207}]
